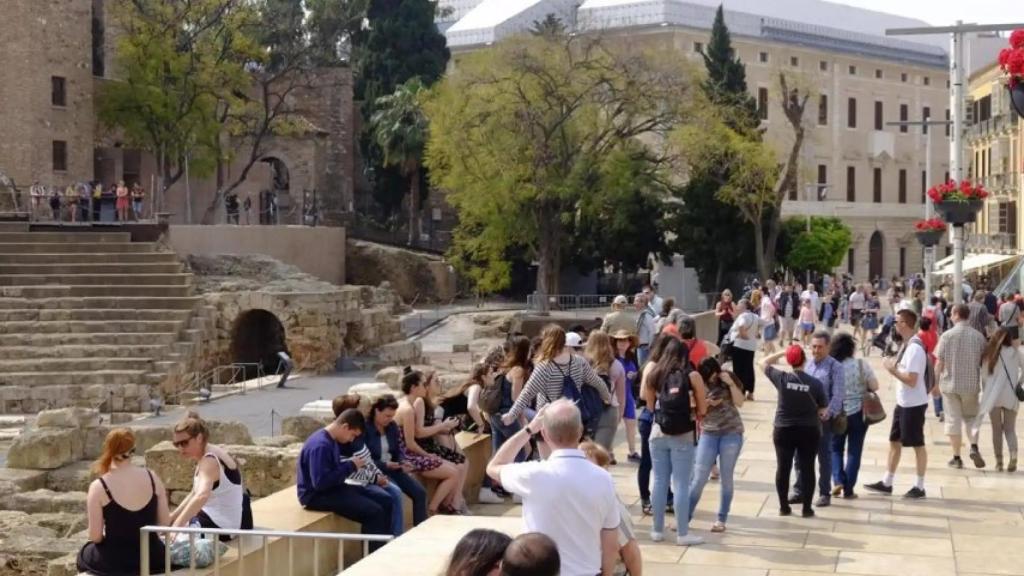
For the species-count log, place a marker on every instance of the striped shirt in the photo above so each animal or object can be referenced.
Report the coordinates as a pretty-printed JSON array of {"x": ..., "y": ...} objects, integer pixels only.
[{"x": 545, "y": 383}]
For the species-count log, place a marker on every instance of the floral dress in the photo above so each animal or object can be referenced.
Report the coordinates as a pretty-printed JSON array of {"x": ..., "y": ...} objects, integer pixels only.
[
  {"x": 431, "y": 445},
  {"x": 419, "y": 463}
]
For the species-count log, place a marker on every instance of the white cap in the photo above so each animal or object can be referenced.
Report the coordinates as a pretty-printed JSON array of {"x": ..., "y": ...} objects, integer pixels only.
[
  {"x": 621, "y": 300},
  {"x": 573, "y": 340}
]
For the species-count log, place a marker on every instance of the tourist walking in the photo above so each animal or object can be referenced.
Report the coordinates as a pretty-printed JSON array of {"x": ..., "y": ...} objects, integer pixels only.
[
  {"x": 601, "y": 355},
  {"x": 980, "y": 318},
  {"x": 930, "y": 339},
  {"x": 802, "y": 405},
  {"x": 554, "y": 368},
  {"x": 721, "y": 437},
  {"x": 565, "y": 496},
  {"x": 725, "y": 312},
  {"x": 646, "y": 329},
  {"x": 855, "y": 307},
  {"x": 218, "y": 498},
  {"x": 811, "y": 294},
  {"x": 619, "y": 318},
  {"x": 668, "y": 389},
  {"x": 119, "y": 503},
  {"x": 742, "y": 339},
  {"x": 808, "y": 320},
  {"x": 625, "y": 354},
  {"x": 827, "y": 370},
  {"x": 1009, "y": 318},
  {"x": 907, "y": 431},
  {"x": 770, "y": 320},
  {"x": 1003, "y": 368},
  {"x": 788, "y": 305},
  {"x": 957, "y": 366},
  {"x": 382, "y": 439},
  {"x": 858, "y": 379}
]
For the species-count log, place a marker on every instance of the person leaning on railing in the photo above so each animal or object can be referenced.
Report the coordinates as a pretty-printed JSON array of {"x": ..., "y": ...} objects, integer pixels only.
[{"x": 120, "y": 502}]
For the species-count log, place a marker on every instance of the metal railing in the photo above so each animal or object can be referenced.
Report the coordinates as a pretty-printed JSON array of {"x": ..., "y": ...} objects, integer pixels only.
[
  {"x": 570, "y": 301},
  {"x": 1002, "y": 241},
  {"x": 265, "y": 536},
  {"x": 236, "y": 374}
]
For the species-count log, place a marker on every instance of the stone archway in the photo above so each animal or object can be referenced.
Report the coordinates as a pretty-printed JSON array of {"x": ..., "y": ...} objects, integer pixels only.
[
  {"x": 275, "y": 201},
  {"x": 256, "y": 337},
  {"x": 876, "y": 256}
]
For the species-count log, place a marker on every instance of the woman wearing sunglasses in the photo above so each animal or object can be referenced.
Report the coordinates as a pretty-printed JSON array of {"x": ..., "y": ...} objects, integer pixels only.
[{"x": 218, "y": 498}]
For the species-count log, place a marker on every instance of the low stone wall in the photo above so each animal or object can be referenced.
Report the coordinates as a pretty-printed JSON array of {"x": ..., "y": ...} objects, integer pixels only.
[
  {"x": 265, "y": 469},
  {"x": 415, "y": 276}
]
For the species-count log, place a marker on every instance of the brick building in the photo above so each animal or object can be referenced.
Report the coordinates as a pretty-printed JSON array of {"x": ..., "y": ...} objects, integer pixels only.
[{"x": 56, "y": 54}]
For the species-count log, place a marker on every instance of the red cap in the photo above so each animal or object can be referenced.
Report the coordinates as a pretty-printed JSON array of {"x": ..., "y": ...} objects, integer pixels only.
[
  {"x": 672, "y": 330},
  {"x": 795, "y": 355}
]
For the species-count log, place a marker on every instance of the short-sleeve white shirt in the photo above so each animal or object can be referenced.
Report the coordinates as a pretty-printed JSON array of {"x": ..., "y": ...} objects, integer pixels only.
[
  {"x": 569, "y": 499},
  {"x": 913, "y": 360}
]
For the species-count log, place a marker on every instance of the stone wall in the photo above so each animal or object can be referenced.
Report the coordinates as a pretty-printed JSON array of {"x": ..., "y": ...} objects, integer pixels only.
[
  {"x": 266, "y": 469},
  {"x": 415, "y": 276}
]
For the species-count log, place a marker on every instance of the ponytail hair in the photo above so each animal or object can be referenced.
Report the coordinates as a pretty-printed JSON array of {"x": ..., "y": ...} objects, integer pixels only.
[
  {"x": 410, "y": 379},
  {"x": 119, "y": 445},
  {"x": 193, "y": 425}
]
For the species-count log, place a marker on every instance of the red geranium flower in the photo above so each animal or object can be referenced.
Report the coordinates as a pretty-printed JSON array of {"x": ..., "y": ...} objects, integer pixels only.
[
  {"x": 1017, "y": 39},
  {"x": 953, "y": 192},
  {"x": 930, "y": 224}
]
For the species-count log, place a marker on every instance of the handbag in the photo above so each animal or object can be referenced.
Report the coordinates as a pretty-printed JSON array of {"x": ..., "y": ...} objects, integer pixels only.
[
  {"x": 873, "y": 410},
  {"x": 839, "y": 423},
  {"x": 1018, "y": 390}
]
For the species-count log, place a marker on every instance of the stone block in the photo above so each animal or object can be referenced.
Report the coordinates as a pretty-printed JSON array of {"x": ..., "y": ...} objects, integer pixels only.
[
  {"x": 276, "y": 441},
  {"x": 74, "y": 477},
  {"x": 148, "y": 436},
  {"x": 23, "y": 480},
  {"x": 64, "y": 524},
  {"x": 21, "y": 522},
  {"x": 30, "y": 555},
  {"x": 487, "y": 331},
  {"x": 371, "y": 390},
  {"x": 45, "y": 449},
  {"x": 392, "y": 376},
  {"x": 63, "y": 566},
  {"x": 75, "y": 417},
  {"x": 44, "y": 500},
  {"x": 93, "y": 438},
  {"x": 457, "y": 348},
  {"x": 265, "y": 469},
  {"x": 228, "y": 432},
  {"x": 175, "y": 471},
  {"x": 400, "y": 352},
  {"x": 301, "y": 427}
]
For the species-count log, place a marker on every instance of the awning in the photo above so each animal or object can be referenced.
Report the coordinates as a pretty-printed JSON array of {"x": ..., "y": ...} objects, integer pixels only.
[
  {"x": 975, "y": 261},
  {"x": 943, "y": 263}
]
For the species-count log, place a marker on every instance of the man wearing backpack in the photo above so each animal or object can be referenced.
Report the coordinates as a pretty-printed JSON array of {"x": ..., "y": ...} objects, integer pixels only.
[
  {"x": 909, "y": 369},
  {"x": 958, "y": 358}
]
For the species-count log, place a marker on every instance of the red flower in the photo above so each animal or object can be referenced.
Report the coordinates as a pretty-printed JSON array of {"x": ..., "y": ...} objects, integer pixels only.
[
  {"x": 1017, "y": 39},
  {"x": 932, "y": 224},
  {"x": 1015, "y": 62},
  {"x": 1004, "y": 57}
]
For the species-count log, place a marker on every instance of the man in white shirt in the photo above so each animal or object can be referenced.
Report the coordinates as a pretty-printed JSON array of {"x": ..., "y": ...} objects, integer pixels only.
[
  {"x": 908, "y": 368},
  {"x": 812, "y": 295},
  {"x": 856, "y": 305},
  {"x": 566, "y": 496}
]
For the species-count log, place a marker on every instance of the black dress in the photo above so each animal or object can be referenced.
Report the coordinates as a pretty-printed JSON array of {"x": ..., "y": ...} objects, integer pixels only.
[{"x": 119, "y": 552}]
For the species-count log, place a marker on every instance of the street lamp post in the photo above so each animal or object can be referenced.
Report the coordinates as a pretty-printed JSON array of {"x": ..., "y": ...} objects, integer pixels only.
[{"x": 821, "y": 192}]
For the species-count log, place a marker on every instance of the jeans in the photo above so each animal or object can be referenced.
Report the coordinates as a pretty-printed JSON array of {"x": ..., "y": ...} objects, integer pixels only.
[
  {"x": 726, "y": 449},
  {"x": 800, "y": 441},
  {"x": 369, "y": 508},
  {"x": 642, "y": 351},
  {"x": 393, "y": 492},
  {"x": 824, "y": 456},
  {"x": 414, "y": 490},
  {"x": 856, "y": 430},
  {"x": 672, "y": 457},
  {"x": 500, "y": 433}
]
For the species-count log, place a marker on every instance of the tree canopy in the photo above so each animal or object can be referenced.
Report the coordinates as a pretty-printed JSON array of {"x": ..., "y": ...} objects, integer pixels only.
[
  {"x": 821, "y": 250},
  {"x": 541, "y": 141}
]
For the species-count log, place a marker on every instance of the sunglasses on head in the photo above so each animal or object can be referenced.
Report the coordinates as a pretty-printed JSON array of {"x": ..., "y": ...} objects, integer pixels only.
[{"x": 182, "y": 443}]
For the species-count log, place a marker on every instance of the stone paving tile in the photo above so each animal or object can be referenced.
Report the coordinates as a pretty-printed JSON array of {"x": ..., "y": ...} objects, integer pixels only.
[
  {"x": 885, "y": 543},
  {"x": 1006, "y": 562},
  {"x": 902, "y": 564},
  {"x": 762, "y": 558},
  {"x": 982, "y": 527}
]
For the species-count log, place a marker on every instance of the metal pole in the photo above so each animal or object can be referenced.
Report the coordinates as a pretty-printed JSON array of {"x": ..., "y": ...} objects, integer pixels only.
[
  {"x": 929, "y": 251},
  {"x": 188, "y": 191},
  {"x": 956, "y": 79},
  {"x": 807, "y": 195}
]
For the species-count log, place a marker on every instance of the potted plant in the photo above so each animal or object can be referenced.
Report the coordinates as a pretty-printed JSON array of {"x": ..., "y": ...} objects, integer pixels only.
[
  {"x": 929, "y": 232},
  {"x": 958, "y": 203},
  {"x": 1011, "y": 62}
]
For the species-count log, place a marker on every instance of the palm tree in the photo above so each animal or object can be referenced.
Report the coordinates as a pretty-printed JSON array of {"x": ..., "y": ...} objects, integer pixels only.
[{"x": 400, "y": 129}]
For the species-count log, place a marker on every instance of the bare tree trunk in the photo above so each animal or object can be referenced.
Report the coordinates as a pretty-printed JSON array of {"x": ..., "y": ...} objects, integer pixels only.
[
  {"x": 548, "y": 255},
  {"x": 759, "y": 255},
  {"x": 793, "y": 106},
  {"x": 414, "y": 204}
]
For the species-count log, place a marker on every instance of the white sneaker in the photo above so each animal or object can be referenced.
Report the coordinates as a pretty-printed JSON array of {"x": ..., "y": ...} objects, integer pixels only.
[
  {"x": 689, "y": 540},
  {"x": 657, "y": 536},
  {"x": 517, "y": 499},
  {"x": 487, "y": 497}
]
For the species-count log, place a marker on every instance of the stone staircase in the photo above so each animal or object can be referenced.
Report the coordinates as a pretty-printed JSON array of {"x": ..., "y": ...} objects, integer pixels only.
[{"x": 90, "y": 318}]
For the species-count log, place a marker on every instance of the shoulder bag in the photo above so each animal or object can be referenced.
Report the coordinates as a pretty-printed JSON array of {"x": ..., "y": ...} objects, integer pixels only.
[
  {"x": 1018, "y": 390},
  {"x": 873, "y": 409}
]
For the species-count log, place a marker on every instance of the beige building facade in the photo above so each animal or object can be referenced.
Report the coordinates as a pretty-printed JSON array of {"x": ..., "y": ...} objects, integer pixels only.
[{"x": 57, "y": 55}]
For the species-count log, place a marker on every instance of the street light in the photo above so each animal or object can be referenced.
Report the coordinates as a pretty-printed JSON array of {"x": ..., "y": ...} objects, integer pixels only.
[{"x": 821, "y": 195}]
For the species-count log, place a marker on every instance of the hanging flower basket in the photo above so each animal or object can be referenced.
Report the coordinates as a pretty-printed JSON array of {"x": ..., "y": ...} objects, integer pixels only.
[
  {"x": 929, "y": 232},
  {"x": 1011, "y": 62},
  {"x": 958, "y": 203}
]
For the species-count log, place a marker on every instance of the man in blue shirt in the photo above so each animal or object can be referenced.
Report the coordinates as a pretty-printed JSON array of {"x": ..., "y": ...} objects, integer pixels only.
[
  {"x": 323, "y": 468},
  {"x": 830, "y": 373}
]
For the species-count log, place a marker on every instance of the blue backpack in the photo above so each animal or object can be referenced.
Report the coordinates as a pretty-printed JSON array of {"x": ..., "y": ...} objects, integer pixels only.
[{"x": 586, "y": 398}]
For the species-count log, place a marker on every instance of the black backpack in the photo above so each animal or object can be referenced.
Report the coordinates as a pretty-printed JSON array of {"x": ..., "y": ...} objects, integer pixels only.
[
  {"x": 673, "y": 412},
  {"x": 491, "y": 395}
]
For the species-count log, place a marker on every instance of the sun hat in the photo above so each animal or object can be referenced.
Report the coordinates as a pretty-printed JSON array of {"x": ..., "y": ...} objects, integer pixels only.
[{"x": 623, "y": 334}]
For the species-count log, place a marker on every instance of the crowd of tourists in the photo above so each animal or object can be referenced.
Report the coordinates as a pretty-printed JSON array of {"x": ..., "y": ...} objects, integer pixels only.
[{"x": 83, "y": 201}]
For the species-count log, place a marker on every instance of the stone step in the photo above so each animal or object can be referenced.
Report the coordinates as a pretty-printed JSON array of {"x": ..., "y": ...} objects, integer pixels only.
[
  {"x": 86, "y": 339},
  {"x": 77, "y": 247},
  {"x": 112, "y": 267},
  {"x": 62, "y": 237},
  {"x": 86, "y": 351},
  {"x": 13, "y": 226},
  {"x": 30, "y": 399},
  {"x": 137, "y": 279},
  {"x": 91, "y": 363},
  {"x": 73, "y": 378},
  {"x": 100, "y": 303},
  {"x": 88, "y": 326},
  {"x": 40, "y": 314},
  {"x": 56, "y": 291},
  {"x": 97, "y": 257}
]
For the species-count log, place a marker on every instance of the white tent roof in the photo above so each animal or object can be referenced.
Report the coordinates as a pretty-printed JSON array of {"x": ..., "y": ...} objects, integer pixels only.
[{"x": 974, "y": 261}]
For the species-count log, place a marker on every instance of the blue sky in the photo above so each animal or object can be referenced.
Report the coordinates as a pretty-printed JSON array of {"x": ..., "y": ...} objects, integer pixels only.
[{"x": 947, "y": 12}]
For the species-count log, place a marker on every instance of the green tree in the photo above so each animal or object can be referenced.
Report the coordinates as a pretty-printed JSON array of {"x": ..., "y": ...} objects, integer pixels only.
[
  {"x": 332, "y": 26},
  {"x": 400, "y": 129},
  {"x": 820, "y": 250},
  {"x": 726, "y": 82},
  {"x": 527, "y": 129},
  {"x": 551, "y": 26},
  {"x": 400, "y": 42}
]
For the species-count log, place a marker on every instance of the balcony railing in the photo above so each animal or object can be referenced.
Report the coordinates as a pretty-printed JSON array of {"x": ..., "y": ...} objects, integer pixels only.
[
  {"x": 1003, "y": 242},
  {"x": 1002, "y": 121}
]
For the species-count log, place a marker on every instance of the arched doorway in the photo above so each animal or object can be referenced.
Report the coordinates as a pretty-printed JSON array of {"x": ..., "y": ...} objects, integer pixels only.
[
  {"x": 876, "y": 255},
  {"x": 256, "y": 338},
  {"x": 275, "y": 199}
]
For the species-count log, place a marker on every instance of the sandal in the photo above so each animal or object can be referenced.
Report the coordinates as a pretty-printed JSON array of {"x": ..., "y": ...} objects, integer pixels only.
[
  {"x": 645, "y": 507},
  {"x": 718, "y": 527}
]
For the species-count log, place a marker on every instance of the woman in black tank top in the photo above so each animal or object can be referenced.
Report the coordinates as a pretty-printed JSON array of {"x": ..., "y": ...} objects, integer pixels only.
[{"x": 114, "y": 546}]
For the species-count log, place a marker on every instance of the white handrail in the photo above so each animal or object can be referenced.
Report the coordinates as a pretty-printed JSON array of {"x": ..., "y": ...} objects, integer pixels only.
[{"x": 145, "y": 531}]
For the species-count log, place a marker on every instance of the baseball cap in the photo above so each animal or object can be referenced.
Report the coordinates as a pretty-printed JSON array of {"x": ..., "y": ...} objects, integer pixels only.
[
  {"x": 620, "y": 299},
  {"x": 795, "y": 355},
  {"x": 671, "y": 330},
  {"x": 573, "y": 340}
]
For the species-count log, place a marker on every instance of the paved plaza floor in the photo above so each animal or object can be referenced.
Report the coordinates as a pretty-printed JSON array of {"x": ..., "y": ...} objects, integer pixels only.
[{"x": 971, "y": 522}]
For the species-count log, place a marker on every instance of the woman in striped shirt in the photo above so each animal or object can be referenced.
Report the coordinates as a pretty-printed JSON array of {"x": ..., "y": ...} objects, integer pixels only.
[{"x": 553, "y": 363}]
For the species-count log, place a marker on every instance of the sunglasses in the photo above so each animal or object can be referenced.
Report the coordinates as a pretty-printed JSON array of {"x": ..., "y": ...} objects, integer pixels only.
[{"x": 182, "y": 443}]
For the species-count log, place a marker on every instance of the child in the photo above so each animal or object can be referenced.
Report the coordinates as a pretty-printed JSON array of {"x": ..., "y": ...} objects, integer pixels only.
[
  {"x": 630, "y": 561},
  {"x": 807, "y": 321}
]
